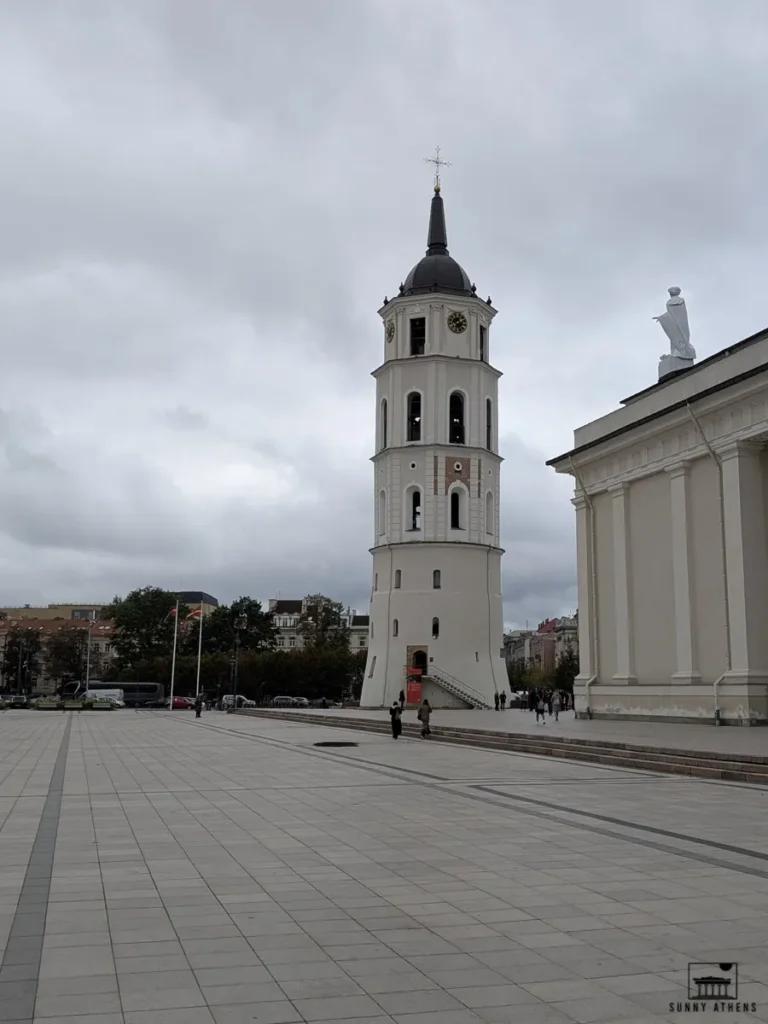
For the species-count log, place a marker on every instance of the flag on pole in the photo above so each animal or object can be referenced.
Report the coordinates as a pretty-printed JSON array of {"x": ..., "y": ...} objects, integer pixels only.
[{"x": 196, "y": 613}]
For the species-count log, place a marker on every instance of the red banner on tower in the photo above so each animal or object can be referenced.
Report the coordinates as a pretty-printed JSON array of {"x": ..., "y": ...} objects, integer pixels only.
[{"x": 413, "y": 690}]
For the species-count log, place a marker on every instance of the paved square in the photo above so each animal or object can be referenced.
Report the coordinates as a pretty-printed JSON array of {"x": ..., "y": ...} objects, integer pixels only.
[{"x": 163, "y": 870}]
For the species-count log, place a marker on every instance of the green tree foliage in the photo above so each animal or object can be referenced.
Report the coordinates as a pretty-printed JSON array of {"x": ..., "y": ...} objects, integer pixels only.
[
  {"x": 304, "y": 672},
  {"x": 66, "y": 654},
  {"x": 517, "y": 674},
  {"x": 244, "y": 619},
  {"x": 22, "y": 659},
  {"x": 322, "y": 626},
  {"x": 144, "y": 623},
  {"x": 566, "y": 669}
]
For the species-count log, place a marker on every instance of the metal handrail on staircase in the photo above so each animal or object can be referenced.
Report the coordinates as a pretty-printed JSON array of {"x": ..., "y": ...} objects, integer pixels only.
[{"x": 458, "y": 687}]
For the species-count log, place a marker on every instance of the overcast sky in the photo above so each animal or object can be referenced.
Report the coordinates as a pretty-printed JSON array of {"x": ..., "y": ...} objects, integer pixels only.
[{"x": 204, "y": 202}]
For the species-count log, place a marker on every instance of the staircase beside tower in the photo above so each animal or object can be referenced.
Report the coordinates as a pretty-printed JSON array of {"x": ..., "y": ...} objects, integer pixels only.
[{"x": 450, "y": 684}]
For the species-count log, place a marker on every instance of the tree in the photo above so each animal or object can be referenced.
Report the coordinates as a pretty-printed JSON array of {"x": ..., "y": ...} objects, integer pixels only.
[
  {"x": 357, "y": 662},
  {"x": 517, "y": 675},
  {"x": 322, "y": 625},
  {"x": 21, "y": 659},
  {"x": 66, "y": 654},
  {"x": 144, "y": 623},
  {"x": 566, "y": 669},
  {"x": 244, "y": 619}
]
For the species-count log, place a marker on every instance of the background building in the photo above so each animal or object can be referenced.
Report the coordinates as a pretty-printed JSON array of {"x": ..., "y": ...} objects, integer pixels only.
[
  {"x": 436, "y": 595},
  {"x": 101, "y": 657},
  {"x": 286, "y": 615},
  {"x": 672, "y": 543},
  {"x": 541, "y": 648}
]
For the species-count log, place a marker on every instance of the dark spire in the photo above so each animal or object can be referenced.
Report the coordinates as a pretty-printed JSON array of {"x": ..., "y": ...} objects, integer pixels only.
[{"x": 437, "y": 240}]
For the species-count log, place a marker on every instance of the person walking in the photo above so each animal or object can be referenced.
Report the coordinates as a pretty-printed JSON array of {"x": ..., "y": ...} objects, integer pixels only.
[
  {"x": 425, "y": 712},
  {"x": 541, "y": 708},
  {"x": 198, "y": 705},
  {"x": 395, "y": 713},
  {"x": 496, "y": 699},
  {"x": 503, "y": 699},
  {"x": 556, "y": 705},
  {"x": 401, "y": 698},
  {"x": 549, "y": 702},
  {"x": 531, "y": 700}
]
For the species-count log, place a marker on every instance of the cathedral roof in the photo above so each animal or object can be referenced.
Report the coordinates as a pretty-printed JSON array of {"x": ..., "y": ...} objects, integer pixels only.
[{"x": 438, "y": 271}]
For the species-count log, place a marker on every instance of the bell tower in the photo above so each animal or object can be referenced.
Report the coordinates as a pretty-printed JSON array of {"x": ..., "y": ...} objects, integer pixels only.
[{"x": 436, "y": 589}]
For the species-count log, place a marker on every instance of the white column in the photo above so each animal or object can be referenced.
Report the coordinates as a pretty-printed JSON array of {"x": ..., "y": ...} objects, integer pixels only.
[
  {"x": 586, "y": 597},
  {"x": 622, "y": 578},
  {"x": 746, "y": 558},
  {"x": 682, "y": 561}
]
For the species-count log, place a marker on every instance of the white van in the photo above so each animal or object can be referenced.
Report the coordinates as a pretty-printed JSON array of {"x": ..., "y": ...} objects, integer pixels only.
[{"x": 114, "y": 695}]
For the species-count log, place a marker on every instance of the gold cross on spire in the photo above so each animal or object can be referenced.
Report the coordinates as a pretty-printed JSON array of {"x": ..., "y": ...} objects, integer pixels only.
[{"x": 438, "y": 161}]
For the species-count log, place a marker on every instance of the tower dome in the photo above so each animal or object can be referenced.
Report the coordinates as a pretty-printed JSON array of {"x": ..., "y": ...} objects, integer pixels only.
[{"x": 437, "y": 271}]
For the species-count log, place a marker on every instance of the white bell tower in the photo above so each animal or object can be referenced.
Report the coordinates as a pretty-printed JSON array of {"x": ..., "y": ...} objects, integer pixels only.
[{"x": 436, "y": 595}]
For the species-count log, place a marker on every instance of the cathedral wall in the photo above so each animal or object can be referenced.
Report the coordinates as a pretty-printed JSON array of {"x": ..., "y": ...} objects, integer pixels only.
[
  {"x": 603, "y": 507},
  {"x": 651, "y": 579},
  {"x": 707, "y": 570}
]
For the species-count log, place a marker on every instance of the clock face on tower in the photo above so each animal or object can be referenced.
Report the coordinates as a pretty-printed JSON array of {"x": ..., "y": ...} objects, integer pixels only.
[
  {"x": 390, "y": 330},
  {"x": 457, "y": 322}
]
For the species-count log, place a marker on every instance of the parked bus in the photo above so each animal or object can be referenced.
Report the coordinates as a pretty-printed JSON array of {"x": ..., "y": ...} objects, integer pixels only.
[{"x": 134, "y": 694}]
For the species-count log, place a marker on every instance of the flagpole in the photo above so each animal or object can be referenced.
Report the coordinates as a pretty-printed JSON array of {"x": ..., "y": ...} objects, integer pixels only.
[
  {"x": 199, "y": 651},
  {"x": 173, "y": 658}
]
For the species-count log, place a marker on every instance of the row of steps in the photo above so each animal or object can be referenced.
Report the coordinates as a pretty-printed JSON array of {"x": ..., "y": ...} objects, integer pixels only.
[{"x": 748, "y": 768}]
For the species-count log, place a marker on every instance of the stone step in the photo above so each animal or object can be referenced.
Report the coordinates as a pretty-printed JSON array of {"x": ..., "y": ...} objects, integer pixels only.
[{"x": 704, "y": 764}]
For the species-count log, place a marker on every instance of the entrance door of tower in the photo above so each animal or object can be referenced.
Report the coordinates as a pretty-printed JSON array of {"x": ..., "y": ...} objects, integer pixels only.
[{"x": 417, "y": 669}]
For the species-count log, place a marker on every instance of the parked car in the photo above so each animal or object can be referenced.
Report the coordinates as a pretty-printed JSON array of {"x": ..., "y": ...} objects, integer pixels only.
[
  {"x": 18, "y": 700},
  {"x": 300, "y": 702},
  {"x": 283, "y": 702},
  {"x": 323, "y": 702},
  {"x": 180, "y": 703}
]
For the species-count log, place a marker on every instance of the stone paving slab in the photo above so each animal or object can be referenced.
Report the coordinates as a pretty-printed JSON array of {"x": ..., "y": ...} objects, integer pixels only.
[{"x": 226, "y": 871}]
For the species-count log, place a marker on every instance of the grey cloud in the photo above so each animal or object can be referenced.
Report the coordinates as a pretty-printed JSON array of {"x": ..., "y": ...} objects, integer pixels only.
[{"x": 202, "y": 214}]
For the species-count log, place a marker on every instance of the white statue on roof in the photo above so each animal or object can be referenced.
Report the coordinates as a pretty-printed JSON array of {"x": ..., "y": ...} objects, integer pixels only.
[{"x": 675, "y": 325}]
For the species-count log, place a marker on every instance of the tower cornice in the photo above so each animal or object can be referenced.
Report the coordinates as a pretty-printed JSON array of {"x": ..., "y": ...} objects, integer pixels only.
[
  {"x": 470, "y": 301},
  {"x": 435, "y": 357},
  {"x": 459, "y": 451}
]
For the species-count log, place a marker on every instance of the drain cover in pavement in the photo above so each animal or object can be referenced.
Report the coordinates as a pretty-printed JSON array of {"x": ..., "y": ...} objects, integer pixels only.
[{"x": 335, "y": 743}]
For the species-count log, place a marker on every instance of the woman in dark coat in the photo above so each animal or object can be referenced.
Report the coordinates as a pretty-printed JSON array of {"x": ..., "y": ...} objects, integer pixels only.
[{"x": 397, "y": 720}]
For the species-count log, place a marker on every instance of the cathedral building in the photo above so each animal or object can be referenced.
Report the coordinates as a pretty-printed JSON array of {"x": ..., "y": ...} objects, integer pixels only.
[
  {"x": 671, "y": 499},
  {"x": 436, "y": 614}
]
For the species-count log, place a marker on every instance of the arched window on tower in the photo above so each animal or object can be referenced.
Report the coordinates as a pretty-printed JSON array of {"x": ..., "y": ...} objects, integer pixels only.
[
  {"x": 395, "y": 627},
  {"x": 382, "y": 513},
  {"x": 489, "y": 513},
  {"x": 414, "y": 416},
  {"x": 415, "y": 510},
  {"x": 488, "y": 424},
  {"x": 384, "y": 423},
  {"x": 398, "y": 578},
  {"x": 482, "y": 343},
  {"x": 435, "y": 628},
  {"x": 456, "y": 517},
  {"x": 437, "y": 580},
  {"x": 456, "y": 418}
]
